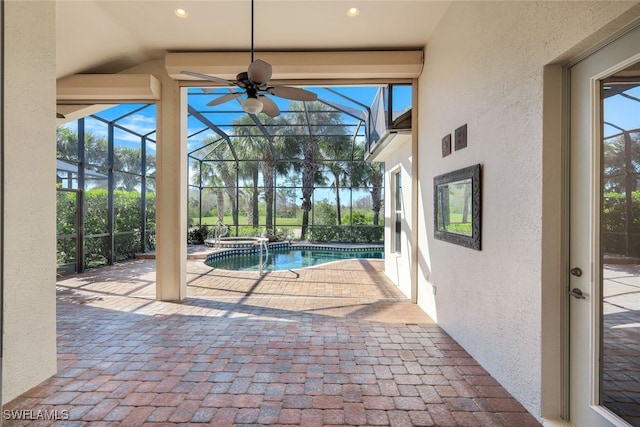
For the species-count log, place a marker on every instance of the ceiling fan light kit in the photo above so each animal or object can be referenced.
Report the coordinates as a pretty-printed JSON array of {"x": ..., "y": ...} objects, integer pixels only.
[
  {"x": 255, "y": 84},
  {"x": 252, "y": 106}
]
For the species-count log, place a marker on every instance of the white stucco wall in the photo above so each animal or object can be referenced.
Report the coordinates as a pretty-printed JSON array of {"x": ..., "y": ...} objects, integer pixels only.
[
  {"x": 484, "y": 67},
  {"x": 30, "y": 197},
  {"x": 398, "y": 265}
]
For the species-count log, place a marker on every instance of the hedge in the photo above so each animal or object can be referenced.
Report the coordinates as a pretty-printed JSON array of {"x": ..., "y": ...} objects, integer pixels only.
[
  {"x": 347, "y": 233},
  {"x": 127, "y": 213},
  {"x": 614, "y": 221}
]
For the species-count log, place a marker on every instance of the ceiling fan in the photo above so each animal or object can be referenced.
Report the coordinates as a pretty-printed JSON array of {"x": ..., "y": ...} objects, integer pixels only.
[{"x": 255, "y": 84}]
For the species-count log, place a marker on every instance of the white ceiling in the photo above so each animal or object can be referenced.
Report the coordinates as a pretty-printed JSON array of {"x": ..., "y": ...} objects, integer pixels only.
[{"x": 112, "y": 35}]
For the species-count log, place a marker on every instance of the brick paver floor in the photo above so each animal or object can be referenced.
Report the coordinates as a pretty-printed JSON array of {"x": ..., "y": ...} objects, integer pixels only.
[
  {"x": 332, "y": 345},
  {"x": 621, "y": 341}
]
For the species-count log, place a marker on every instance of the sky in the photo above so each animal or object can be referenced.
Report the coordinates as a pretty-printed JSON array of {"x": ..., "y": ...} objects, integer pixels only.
[
  {"x": 143, "y": 121},
  {"x": 622, "y": 112}
]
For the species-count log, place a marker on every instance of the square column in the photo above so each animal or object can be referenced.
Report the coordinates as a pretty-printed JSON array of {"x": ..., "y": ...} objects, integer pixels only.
[{"x": 171, "y": 196}]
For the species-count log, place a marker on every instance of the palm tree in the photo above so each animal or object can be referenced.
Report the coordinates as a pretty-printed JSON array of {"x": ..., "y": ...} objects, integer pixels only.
[
  {"x": 255, "y": 145},
  {"x": 129, "y": 160},
  {"x": 376, "y": 175},
  {"x": 251, "y": 192},
  {"x": 266, "y": 149},
  {"x": 210, "y": 179},
  {"x": 67, "y": 143},
  {"x": 621, "y": 156},
  {"x": 337, "y": 149},
  {"x": 216, "y": 165},
  {"x": 95, "y": 148},
  {"x": 126, "y": 159},
  {"x": 369, "y": 175},
  {"x": 287, "y": 194},
  {"x": 227, "y": 171},
  {"x": 318, "y": 120}
]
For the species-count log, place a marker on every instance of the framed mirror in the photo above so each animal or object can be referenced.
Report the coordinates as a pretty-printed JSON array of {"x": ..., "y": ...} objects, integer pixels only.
[{"x": 457, "y": 202}]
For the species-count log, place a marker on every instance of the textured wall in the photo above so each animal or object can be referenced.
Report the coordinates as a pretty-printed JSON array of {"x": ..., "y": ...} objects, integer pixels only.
[
  {"x": 30, "y": 197},
  {"x": 484, "y": 67}
]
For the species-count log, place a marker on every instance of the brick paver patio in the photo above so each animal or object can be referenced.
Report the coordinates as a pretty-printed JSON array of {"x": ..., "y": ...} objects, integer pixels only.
[{"x": 332, "y": 345}]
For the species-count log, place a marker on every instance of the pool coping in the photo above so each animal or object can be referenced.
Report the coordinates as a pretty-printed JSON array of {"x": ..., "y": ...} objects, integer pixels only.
[
  {"x": 338, "y": 247},
  {"x": 201, "y": 252}
]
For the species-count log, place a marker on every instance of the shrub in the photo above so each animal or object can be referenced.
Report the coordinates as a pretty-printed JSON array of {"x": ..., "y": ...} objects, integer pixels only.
[
  {"x": 197, "y": 236},
  {"x": 347, "y": 234},
  {"x": 368, "y": 234},
  {"x": 614, "y": 208},
  {"x": 324, "y": 213},
  {"x": 127, "y": 225}
]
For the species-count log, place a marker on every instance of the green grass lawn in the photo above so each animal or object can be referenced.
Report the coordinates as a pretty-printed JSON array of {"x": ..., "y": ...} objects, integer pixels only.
[
  {"x": 465, "y": 229},
  {"x": 457, "y": 226}
]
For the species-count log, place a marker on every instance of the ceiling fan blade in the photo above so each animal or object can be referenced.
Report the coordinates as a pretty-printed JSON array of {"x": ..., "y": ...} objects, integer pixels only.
[
  {"x": 224, "y": 98},
  {"x": 259, "y": 72},
  {"x": 269, "y": 107},
  {"x": 294, "y": 93},
  {"x": 208, "y": 77}
]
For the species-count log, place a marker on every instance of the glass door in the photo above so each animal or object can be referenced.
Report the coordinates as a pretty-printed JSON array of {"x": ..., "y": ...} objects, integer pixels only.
[
  {"x": 620, "y": 248},
  {"x": 604, "y": 226},
  {"x": 604, "y": 256}
]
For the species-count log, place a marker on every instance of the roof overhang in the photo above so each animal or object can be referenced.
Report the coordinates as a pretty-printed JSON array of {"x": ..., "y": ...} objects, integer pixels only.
[
  {"x": 359, "y": 65},
  {"x": 388, "y": 143},
  {"x": 102, "y": 88}
]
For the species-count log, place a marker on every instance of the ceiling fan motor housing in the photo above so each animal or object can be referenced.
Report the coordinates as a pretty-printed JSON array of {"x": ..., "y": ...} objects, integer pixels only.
[
  {"x": 252, "y": 91},
  {"x": 242, "y": 80}
]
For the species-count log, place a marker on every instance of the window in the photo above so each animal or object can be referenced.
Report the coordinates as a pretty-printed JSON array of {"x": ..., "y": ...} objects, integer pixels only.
[{"x": 397, "y": 206}]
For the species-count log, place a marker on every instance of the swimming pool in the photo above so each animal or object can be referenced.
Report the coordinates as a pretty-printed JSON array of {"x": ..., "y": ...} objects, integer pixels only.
[{"x": 290, "y": 258}]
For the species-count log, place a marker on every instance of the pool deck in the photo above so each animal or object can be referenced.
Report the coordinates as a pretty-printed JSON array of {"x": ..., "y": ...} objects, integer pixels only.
[
  {"x": 335, "y": 345},
  {"x": 193, "y": 252}
]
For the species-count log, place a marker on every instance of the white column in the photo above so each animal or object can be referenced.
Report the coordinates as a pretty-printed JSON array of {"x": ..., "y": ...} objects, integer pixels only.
[
  {"x": 171, "y": 193},
  {"x": 29, "y": 218}
]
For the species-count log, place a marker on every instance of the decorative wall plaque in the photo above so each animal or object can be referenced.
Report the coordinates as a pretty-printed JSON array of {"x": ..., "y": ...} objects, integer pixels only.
[
  {"x": 446, "y": 145},
  {"x": 461, "y": 137}
]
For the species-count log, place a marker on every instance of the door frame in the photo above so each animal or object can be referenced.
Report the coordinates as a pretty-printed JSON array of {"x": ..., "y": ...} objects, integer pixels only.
[
  {"x": 79, "y": 232},
  {"x": 594, "y": 271}
]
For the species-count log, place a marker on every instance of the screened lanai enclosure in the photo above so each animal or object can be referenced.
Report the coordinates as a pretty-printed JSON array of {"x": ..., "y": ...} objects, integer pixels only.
[
  {"x": 300, "y": 175},
  {"x": 106, "y": 187},
  {"x": 621, "y": 170}
]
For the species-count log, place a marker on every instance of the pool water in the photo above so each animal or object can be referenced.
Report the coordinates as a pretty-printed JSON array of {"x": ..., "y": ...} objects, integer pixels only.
[{"x": 290, "y": 258}]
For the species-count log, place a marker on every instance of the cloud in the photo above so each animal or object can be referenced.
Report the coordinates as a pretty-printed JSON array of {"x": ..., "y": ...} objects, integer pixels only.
[{"x": 142, "y": 123}]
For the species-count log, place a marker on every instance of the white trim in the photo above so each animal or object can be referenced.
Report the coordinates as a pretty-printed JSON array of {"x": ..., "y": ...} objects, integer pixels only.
[
  {"x": 594, "y": 239},
  {"x": 359, "y": 65},
  {"x": 108, "y": 87},
  {"x": 396, "y": 173},
  {"x": 595, "y": 211},
  {"x": 555, "y": 423}
]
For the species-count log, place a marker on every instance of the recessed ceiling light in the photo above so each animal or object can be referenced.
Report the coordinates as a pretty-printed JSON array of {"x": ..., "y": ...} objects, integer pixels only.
[
  {"x": 181, "y": 13},
  {"x": 353, "y": 11}
]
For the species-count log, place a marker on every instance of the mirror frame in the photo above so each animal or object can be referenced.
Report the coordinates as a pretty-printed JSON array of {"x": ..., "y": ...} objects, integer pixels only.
[{"x": 472, "y": 172}]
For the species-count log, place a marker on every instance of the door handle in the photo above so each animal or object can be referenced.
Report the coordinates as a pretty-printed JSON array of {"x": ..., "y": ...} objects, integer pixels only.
[{"x": 576, "y": 293}]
